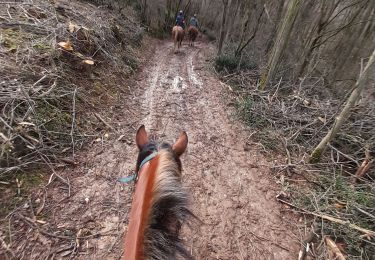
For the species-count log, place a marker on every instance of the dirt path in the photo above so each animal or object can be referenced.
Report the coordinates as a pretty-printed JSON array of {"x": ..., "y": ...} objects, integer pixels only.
[
  {"x": 231, "y": 194},
  {"x": 232, "y": 191}
]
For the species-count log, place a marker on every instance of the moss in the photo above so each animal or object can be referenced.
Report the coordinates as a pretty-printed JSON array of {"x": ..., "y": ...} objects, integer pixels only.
[
  {"x": 315, "y": 156},
  {"x": 97, "y": 87},
  {"x": 42, "y": 47},
  {"x": 13, "y": 38},
  {"x": 245, "y": 108},
  {"x": 53, "y": 118},
  {"x": 263, "y": 79},
  {"x": 132, "y": 63},
  {"x": 12, "y": 196},
  {"x": 10, "y": 39},
  {"x": 13, "y": 33}
]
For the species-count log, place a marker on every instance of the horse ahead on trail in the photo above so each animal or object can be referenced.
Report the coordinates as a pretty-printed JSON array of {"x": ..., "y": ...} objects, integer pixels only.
[
  {"x": 193, "y": 33},
  {"x": 178, "y": 34},
  {"x": 160, "y": 203}
]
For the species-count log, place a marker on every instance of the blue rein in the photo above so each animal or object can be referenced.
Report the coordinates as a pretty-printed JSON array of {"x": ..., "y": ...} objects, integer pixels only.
[
  {"x": 134, "y": 176},
  {"x": 147, "y": 159}
]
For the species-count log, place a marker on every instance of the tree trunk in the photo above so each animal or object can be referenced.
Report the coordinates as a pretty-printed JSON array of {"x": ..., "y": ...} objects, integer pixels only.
[
  {"x": 168, "y": 14},
  {"x": 312, "y": 38},
  {"x": 186, "y": 9},
  {"x": 241, "y": 48},
  {"x": 281, "y": 42},
  {"x": 353, "y": 38},
  {"x": 244, "y": 29},
  {"x": 233, "y": 19},
  {"x": 340, "y": 119},
  {"x": 222, "y": 29},
  {"x": 144, "y": 11},
  {"x": 308, "y": 53},
  {"x": 274, "y": 29}
]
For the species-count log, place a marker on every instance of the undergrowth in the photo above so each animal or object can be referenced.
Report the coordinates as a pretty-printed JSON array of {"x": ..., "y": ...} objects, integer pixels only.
[
  {"x": 230, "y": 63},
  {"x": 60, "y": 64},
  {"x": 55, "y": 64},
  {"x": 290, "y": 120}
]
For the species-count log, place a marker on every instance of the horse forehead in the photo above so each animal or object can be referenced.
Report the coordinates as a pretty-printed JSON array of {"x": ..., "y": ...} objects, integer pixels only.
[
  {"x": 165, "y": 145},
  {"x": 149, "y": 147}
]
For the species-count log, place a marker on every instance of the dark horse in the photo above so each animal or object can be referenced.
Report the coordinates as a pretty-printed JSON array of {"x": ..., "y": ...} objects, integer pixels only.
[
  {"x": 193, "y": 33},
  {"x": 160, "y": 203},
  {"x": 178, "y": 35}
]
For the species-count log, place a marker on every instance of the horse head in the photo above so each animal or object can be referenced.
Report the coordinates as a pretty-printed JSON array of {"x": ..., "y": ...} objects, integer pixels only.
[
  {"x": 148, "y": 147},
  {"x": 160, "y": 203}
]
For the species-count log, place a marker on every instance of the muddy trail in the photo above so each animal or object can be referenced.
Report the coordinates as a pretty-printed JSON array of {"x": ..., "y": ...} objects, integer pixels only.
[{"x": 232, "y": 191}]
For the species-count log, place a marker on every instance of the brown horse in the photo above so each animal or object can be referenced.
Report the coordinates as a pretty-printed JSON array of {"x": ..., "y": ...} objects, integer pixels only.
[
  {"x": 160, "y": 203},
  {"x": 178, "y": 35},
  {"x": 193, "y": 33}
]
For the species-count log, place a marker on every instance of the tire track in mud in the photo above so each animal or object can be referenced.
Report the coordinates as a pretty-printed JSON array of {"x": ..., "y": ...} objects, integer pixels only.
[{"x": 231, "y": 193}]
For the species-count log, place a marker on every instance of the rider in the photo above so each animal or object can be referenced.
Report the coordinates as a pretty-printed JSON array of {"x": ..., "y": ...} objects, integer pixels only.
[
  {"x": 194, "y": 21},
  {"x": 180, "y": 21}
]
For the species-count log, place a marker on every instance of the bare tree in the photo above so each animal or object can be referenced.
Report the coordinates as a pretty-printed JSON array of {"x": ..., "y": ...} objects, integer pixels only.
[
  {"x": 352, "y": 41},
  {"x": 274, "y": 21},
  {"x": 281, "y": 41},
  {"x": 223, "y": 25},
  {"x": 330, "y": 12},
  {"x": 357, "y": 90},
  {"x": 241, "y": 46},
  {"x": 232, "y": 16},
  {"x": 326, "y": 9}
]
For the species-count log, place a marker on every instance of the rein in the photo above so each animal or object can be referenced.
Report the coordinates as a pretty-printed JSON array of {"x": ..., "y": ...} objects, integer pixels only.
[
  {"x": 146, "y": 160},
  {"x": 134, "y": 176}
]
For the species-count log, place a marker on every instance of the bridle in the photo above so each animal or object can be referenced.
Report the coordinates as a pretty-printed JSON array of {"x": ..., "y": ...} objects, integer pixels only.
[
  {"x": 146, "y": 160},
  {"x": 134, "y": 176}
]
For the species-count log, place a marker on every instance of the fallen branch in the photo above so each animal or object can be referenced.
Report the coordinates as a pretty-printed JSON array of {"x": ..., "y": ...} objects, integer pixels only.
[
  {"x": 73, "y": 121},
  {"x": 331, "y": 219},
  {"x": 334, "y": 251},
  {"x": 365, "y": 166},
  {"x": 305, "y": 247},
  {"x": 103, "y": 121},
  {"x": 46, "y": 93}
]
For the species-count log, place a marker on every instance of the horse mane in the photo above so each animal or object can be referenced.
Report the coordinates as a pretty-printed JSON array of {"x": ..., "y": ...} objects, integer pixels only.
[{"x": 168, "y": 211}]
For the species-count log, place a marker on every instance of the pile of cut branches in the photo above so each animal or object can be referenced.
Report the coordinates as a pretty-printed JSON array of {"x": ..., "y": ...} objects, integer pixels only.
[
  {"x": 339, "y": 195},
  {"x": 51, "y": 59}
]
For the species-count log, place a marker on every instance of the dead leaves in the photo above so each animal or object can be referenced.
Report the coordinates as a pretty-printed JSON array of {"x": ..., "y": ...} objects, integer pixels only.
[
  {"x": 333, "y": 249},
  {"x": 89, "y": 62},
  {"x": 323, "y": 120},
  {"x": 73, "y": 27},
  {"x": 66, "y": 45},
  {"x": 340, "y": 205},
  {"x": 81, "y": 34}
]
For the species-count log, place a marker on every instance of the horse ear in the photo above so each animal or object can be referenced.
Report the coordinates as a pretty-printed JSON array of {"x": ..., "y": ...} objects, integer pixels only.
[
  {"x": 180, "y": 145},
  {"x": 141, "y": 137}
]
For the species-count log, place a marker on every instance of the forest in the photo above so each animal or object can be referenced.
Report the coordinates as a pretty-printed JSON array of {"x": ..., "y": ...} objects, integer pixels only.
[
  {"x": 299, "y": 74},
  {"x": 304, "y": 77}
]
